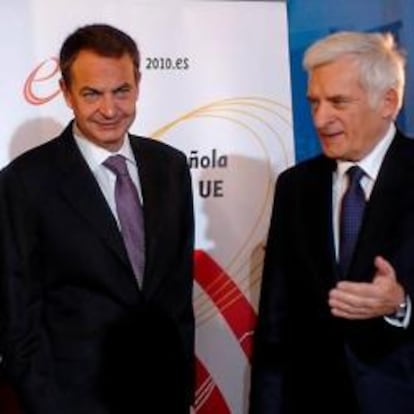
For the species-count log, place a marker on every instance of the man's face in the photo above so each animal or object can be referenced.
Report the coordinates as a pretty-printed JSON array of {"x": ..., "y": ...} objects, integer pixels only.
[
  {"x": 347, "y": 125},
  {"x": 102, "y": 94}
]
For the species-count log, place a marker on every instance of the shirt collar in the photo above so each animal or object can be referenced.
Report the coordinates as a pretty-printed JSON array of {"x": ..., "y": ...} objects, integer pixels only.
[
  {"x": 96, "y": 155},
  {"x": 371, "y": 163}
]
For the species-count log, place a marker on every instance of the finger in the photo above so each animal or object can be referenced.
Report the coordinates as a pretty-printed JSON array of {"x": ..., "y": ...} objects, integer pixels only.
[
  {"x": 349, "y": 300},
  {"x": 351, "y": 315},
  {"x": 356, "y": 288},
  {"x": 352, "y": 307},
  {"x": 383, "y": 268}
]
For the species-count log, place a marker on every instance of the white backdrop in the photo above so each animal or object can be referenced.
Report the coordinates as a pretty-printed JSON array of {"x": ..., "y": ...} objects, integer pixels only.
[{"x": 216, "y": 85}]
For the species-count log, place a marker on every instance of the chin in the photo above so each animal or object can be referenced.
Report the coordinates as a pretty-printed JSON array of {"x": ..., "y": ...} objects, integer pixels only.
[
  {"x": 110, "y": 137},
  {"x": 330, "y": 153},
  {"x": 333, "y": 151},
  {"x": 107, "y": 142}
]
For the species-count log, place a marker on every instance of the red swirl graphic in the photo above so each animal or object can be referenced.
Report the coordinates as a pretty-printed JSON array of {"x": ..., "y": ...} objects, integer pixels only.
[
  {"x": 240, "y": 316},
  {"x": 228, "y": 298},
  {"x": 208, "y": 398},
  {"x": 35, "y": 77}
]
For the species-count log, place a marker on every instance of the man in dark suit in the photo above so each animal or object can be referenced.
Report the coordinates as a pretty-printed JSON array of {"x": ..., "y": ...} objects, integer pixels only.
[
  {"x": 336, "y": 338},
  {"x": 92, "y": 323}
]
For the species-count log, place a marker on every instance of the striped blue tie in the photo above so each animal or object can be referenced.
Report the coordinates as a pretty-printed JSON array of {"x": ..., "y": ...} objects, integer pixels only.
[{"x": 352, "y": 210}]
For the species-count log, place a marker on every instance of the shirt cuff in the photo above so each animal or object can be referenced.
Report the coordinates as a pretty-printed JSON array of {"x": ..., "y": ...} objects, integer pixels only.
[{"x": 401, "y": 319}]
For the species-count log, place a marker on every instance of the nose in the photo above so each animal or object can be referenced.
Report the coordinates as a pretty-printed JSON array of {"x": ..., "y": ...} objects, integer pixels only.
[
  {"x": 107, "y": 107},
  {"x": 322, "y": 115}
]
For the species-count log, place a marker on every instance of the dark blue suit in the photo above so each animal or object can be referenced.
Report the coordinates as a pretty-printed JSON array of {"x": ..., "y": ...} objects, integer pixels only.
[
  {"x": 305, "y": 360},
  {"x": 78, "y": 336}
]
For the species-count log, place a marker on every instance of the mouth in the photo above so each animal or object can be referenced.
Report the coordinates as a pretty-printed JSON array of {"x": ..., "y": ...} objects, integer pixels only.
[
  {"x": 108, "y": 125},
  {"x": 329, "y": 134}
]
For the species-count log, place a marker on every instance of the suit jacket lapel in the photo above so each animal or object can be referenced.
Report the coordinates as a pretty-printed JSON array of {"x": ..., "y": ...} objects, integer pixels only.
[
  {"x": 318, "y": 198},
  {"x": 82, "y": 192},
  {"x": 382, "y": 211},
  {"x": 152, "y": 195}
]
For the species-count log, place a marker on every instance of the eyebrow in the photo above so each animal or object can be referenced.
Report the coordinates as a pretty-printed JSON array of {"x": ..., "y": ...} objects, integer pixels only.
[
  {"x": 96, "y": 90},
  {"x": 123, "y": 86},
  {"x": 330, "y": 98}
]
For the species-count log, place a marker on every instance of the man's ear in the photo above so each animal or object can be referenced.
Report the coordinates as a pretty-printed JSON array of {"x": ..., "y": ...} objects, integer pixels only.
[
  {"x": 390, "y": 104},
  {"x": 138, "y": 80},
  {"x": 66, "y": 92}
]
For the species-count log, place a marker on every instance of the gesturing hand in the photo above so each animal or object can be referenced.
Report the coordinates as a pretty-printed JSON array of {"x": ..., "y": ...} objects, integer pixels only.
[{"x": 360, "y": 300}]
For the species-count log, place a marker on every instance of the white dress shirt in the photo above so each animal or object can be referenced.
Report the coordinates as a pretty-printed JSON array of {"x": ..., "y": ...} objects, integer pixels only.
[
  {"x": 95, "y": 155},
  {"x": 371, "y": 165}
]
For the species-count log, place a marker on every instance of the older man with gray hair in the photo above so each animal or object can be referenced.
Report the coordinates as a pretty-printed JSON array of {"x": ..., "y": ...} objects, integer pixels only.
[{"x": 335, "y": 330}]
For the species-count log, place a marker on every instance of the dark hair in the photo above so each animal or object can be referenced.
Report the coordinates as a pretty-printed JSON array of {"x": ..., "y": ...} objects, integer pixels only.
[{"x": 102, "y": 39}]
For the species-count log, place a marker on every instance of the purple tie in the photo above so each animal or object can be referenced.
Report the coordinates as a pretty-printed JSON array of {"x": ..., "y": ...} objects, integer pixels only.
[
  {"x": 352, "y": 210},
  {"x": 130, "y": 214}
]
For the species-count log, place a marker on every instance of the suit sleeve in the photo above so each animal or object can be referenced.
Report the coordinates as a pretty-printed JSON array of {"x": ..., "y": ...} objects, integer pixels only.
[
  {"x": 266, "y": 395},
  {"x": 184, "y": 310},
  {"x": 25, "y": 364}
]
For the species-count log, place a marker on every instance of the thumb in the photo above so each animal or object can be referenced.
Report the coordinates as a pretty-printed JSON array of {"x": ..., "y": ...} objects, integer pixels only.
[{"x": 383, "y": 268}]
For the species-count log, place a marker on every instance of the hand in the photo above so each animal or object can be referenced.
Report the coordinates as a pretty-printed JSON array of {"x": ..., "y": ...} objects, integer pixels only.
[{"x": 358, "y": 300}]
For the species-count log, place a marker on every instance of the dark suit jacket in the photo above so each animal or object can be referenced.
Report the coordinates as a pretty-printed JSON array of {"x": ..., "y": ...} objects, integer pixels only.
[
  {"x": 305, "y": 360},
  {"x": 78, "y": 336}
]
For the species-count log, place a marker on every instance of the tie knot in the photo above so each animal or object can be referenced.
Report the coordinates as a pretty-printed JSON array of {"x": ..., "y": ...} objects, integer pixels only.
[
  {"x": 355, "y": 174},
  {"x": 117, "y": 164}
]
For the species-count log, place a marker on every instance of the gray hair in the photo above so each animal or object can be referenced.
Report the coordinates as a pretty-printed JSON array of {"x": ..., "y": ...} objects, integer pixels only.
[{"x": 381, "y": 64}]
